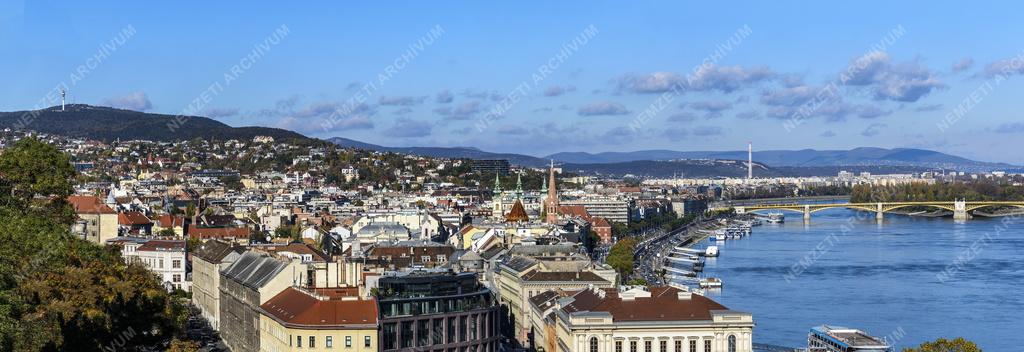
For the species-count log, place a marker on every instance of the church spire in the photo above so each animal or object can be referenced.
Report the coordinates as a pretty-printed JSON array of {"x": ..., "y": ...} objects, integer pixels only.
[
  {"x": 551, "y": 203},
  {"x": 497, "y": 183},
  {"x": 519, "y": 184}
]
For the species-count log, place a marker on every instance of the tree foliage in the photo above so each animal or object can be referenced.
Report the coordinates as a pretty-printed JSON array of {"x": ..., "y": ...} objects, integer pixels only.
[
  {"x": 958, "y": 344},
  {"x": 620, "y": 257},
  {"x": 57, "y": 291}
]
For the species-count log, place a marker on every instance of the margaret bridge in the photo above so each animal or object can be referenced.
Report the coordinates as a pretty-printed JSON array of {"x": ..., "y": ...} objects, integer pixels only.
[{"x": 960, "y": 208}]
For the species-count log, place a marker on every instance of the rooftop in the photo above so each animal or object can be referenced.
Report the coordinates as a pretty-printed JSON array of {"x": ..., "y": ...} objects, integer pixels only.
[{"x": 327, "y": 308}]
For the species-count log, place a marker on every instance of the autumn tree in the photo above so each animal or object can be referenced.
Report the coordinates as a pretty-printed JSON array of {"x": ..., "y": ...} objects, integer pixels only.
[{"x": 943, "y": 345}]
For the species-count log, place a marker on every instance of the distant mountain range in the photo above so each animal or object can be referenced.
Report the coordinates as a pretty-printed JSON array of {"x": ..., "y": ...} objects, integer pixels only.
[
  {"x": 107, "y": 124},
  {"x": 445, "y": 152},
  {"x": 894, "y": 159},
  {"x": 104, "y": 123}
]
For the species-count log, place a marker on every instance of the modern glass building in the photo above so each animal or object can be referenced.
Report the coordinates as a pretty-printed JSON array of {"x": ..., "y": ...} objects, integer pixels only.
[{"x": 430, "y": 310}]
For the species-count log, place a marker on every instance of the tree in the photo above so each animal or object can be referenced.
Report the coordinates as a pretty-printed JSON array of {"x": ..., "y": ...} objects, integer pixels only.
[
  {"x": 620, "y": 257},
  {"x": 58, "y": 291},
  {"x": 943, "y": 345},
  {"x": 37, "y": 177}
]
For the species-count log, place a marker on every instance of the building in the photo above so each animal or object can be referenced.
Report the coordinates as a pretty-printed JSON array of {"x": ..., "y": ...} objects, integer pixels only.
[
  {"x": 520, "y": 277},
  {"x": 490, "y": 166},
  {"x": 165, "y": 258},
  {"x": 134, "y": 223},
  {"x": 612, "y": 209},
  {"x": 245, "y": 285},
  {"x": 436, "y": 310},
  {"x": 207, "y": 261},
  {"x": 318, "y": 320},
  {"x": 97, "y": 222},
  {"x": 636, "y": 319}
]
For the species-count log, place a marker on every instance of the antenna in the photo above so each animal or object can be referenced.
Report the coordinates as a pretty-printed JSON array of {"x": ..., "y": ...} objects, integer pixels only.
[
  {"x": 750, "y": 160},
  {"x": 63, "y": 94}
]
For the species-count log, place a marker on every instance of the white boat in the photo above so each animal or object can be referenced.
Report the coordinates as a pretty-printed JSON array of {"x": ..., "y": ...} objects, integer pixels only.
[
  {"x": 719, "y": 238},
  {"x": 711, "y": 282},
  {"x": 776, "y": 218},
  {"x": 839, "y": 339},
  {"x": 711, "y": 251}
]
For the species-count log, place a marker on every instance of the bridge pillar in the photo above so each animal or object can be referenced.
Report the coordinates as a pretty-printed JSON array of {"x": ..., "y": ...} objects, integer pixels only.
[
  {"x": 879, "y": 214},
  {"x": 807, "y": 212},
  {"x": 960, "y": 210}
]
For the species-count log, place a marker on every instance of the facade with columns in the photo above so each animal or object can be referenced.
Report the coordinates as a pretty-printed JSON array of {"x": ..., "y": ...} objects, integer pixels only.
[{"x": 662, "y": 319}]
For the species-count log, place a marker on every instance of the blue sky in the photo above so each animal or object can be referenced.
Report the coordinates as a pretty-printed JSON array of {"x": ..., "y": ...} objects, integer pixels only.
[{"x": 935, "y": 76}]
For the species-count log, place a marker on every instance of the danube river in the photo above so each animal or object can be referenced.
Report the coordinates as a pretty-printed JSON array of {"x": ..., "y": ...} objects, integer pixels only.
[{"x": 910, "y": 279}]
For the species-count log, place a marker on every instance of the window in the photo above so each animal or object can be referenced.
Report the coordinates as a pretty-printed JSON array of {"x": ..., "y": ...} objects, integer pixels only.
[
  {"x": 679, "y": 346},
  {"x": 366, "y": 341},
  {"x": 389, "y": 337},
  {"x": 462, "y": 329},
  {"x": 176, "y": 264},
  {"x": 329, "y": 342},
  {"x": 289, "y": 340},
  {"x": 732, "y": 343},
  {"x": 406, "y": 334},
  {"x": 422, "y": 332},
  {"x": 647, "y": 346},
  {"x": 438, "y": 331},
  {"x": 425, "y": 259},
  {"x": 348, "y": 341},
  {"x": 161, "y": 263},
  {"x": 632, "y": 346},
  {"x": 176, "y": 278},
  {"x": 618, "y": 346},
  {"x": 663, "y": 346},
  {"x": 312, "y": 342},
  {"x": 451, "y": 330},
  {"x": 693, "y": 345},
  {"x": 707, "y": 345},
  {"x": 593, "y": 344},
  {"x": 298, "y": 341},
  {"x": 441, "y": 258}
]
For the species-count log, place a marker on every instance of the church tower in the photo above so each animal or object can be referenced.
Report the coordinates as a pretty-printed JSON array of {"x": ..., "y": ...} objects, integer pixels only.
[{"x": 551, "y": 203}]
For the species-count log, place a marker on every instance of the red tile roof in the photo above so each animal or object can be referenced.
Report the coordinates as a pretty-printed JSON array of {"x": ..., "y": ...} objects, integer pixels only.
[
  {"x": 663, "y": 305},
  {"x": 132, "y": 218},
  {"x": 295, "y": 308},
  {"x": 89, "y": 205},
  {"x": 574, "y": 210},
  {"x": 169, "y": 221}
]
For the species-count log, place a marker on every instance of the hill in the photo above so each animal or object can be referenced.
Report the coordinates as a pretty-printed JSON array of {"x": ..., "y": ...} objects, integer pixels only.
[
  {"x": 858, "y": 158},
  {"x": 104, "y": 123},
  {"x": 445, "y": 152},
  {"x": 804, "y": 157}
]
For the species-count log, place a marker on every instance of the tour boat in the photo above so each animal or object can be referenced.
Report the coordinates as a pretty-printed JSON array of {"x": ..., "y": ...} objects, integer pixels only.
[
  {"x": 839, "y": 339},
  {"x": 711, "y": 282}
]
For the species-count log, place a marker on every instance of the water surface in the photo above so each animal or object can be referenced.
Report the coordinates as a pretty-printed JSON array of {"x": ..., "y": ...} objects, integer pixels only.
[{"x": 899, "y": 278}]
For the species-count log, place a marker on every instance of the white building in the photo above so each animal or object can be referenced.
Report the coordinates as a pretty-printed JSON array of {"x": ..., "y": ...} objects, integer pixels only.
[
  {"x": 635, "y": 319},
  {"x": 166, "y": 258}
]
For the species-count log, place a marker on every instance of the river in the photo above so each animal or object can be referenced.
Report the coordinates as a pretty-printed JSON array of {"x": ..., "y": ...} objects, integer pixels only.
[{"x": 907, "y": 278}]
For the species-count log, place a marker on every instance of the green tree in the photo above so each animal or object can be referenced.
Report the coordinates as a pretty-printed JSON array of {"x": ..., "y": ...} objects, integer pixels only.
[
  {"x": 620, "y": 257},
  {"x": 36, "y": 177},
  {"x": 943, "y": 345},
  {"x": 57, "y": 291}
]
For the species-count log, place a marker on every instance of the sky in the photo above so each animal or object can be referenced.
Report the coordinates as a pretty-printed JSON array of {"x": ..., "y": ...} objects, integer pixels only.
[{"x": 543, "y": 77}]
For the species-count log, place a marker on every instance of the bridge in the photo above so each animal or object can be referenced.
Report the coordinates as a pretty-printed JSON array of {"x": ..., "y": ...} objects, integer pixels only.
[{"x": 960, "y": 208}]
